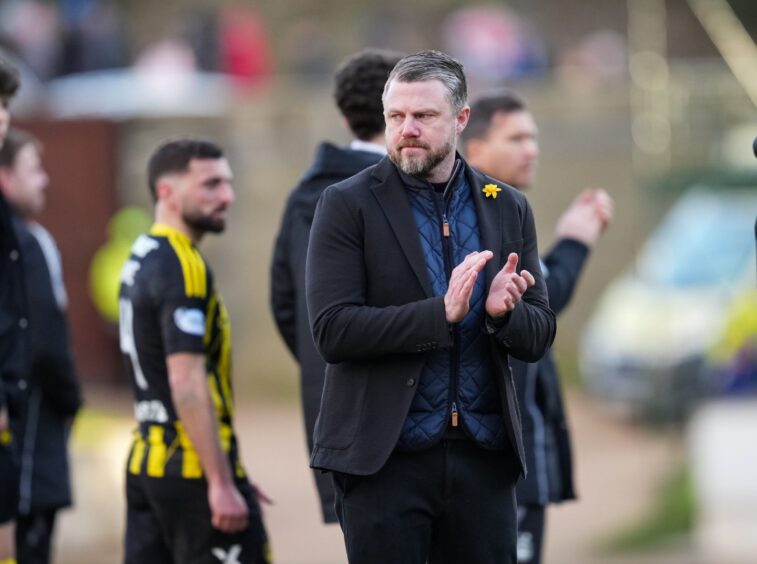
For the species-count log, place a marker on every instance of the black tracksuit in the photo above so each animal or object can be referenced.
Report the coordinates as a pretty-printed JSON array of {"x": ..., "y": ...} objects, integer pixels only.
[{"x": 332, "y": 164}]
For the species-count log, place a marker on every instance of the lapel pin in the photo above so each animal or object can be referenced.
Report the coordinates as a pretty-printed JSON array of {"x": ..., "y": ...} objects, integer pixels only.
[{"x": 491, "y": 190}]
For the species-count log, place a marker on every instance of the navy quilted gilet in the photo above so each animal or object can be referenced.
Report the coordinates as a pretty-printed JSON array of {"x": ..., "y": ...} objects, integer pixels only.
[{"x": 461, "y": 378}]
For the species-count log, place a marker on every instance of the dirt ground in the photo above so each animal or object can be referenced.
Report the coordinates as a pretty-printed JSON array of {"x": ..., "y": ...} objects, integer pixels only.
[{"x": 618, "y": 467}]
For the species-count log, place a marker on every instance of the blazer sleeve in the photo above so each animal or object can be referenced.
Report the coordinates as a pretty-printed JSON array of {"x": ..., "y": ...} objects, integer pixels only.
[
  {"x": 345, "y": 327},
  {"x": 528, "y": 331},
  {"x": 283, "y": 284},
  {"x": 564, "y": 264}
]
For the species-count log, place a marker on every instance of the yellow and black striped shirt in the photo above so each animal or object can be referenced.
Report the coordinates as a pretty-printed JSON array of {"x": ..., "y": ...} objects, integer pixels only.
[{"x": 168, "y": 304}]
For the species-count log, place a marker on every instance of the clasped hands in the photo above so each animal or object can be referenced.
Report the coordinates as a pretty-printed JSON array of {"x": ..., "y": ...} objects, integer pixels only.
[{"x": 505, "y": 292}]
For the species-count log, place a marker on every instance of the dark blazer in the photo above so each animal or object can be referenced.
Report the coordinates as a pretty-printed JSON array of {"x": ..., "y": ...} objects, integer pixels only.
[{"x": 374, "y": 315}]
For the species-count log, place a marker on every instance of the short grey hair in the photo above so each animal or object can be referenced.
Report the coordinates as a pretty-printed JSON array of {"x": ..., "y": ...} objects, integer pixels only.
[{"x": 433, "y": 65}]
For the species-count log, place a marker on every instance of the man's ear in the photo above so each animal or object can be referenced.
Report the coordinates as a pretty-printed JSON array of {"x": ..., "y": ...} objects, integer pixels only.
[
  {"x": 462, "y": 119},
  {"x": 164, "y": 188}
]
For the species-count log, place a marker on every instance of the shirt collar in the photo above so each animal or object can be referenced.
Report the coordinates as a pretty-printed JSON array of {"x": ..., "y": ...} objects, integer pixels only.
[
  {"x": 368, "y": 147},
  {"x": 163, "y": 230}
]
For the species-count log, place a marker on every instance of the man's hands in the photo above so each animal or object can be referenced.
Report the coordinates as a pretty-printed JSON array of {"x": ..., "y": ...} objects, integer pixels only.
[
  {"x": 227, "y": 506},
  {"x": 586, "y": 218},
  {"x": 461, "y": 282},
  {"x": 507, "y": 288}
]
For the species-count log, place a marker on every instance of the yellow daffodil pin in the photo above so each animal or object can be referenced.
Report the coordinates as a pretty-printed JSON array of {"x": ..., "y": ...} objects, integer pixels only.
[{"x": 491, "y": 190}]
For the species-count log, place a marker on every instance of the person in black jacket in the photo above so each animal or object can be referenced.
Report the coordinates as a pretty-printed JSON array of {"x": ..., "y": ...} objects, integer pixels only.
[
  {"x": 422, "y": 278},
  {"x": 14, "y": 361},
  {"x": 501, "y": 140},
  {"x": 54, "y": 396},
  {"x": 359, "y": 82}
]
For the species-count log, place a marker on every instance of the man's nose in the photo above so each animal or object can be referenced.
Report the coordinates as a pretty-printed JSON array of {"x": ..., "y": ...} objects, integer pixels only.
[
  {"x": 532, "y": 149},
  {"x": 228, "y": 195},
  {"x": 410, "y": 128}
]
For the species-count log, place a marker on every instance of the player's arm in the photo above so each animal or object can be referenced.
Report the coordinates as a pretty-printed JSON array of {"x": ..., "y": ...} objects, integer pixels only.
[{"x": 191, "y": 397}]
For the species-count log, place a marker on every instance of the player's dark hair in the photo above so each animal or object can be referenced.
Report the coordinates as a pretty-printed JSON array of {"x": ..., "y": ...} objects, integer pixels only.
[
  {"x": 358, "y": 86},
  {"x": 483, "y": 110},
  {"x": 174, "y": 156}
]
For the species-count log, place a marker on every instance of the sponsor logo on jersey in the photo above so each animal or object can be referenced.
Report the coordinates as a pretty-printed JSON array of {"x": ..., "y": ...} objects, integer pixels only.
[
  {"x": 230, "y": 556},
  {"x": 150, "y": 410},
  {"x": 190, "y": 320}
]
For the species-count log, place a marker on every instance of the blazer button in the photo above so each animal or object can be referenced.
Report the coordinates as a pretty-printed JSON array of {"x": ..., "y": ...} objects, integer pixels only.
[{"x": 410, "y": 382}]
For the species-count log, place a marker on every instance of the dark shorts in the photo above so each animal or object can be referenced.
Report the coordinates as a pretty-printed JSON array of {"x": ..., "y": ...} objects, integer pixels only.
[
  {"x": 168, "y": 520},
  {"x": 9, "y": 476}
]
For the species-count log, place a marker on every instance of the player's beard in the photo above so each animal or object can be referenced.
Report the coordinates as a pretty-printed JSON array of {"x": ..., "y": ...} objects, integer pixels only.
[
  {"x": 422, "y": 165},
  {"x": 202, "y": 223}
]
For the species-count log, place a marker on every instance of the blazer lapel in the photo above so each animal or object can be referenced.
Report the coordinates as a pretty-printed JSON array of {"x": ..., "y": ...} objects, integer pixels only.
[
  {"x": 490, "y": 219},
  {"x": 391, "y": 196}
]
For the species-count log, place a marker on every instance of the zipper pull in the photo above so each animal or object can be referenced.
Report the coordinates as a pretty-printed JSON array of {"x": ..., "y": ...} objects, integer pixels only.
[
  {"x": 445, "y": 226},
  {"x": 454, "y": 414}
]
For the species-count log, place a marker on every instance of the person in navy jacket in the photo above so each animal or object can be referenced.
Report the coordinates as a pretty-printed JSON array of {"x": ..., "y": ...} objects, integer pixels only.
[{"x": 502, "y": 140}]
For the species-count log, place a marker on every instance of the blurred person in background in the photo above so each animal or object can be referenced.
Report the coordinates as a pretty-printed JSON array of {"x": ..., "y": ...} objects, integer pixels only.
[
  {"x": 54, "y": 396},
  {"x": 359, "y": 84},
  {"x": 501, "y": 140},
  {"x": 419, "y": 422},
  {"x": 14, "y": 358},
  {"x": 188, "y": 496}
]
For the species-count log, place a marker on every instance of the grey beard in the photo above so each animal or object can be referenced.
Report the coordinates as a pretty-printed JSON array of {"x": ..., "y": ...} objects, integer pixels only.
[{"x": 421, "y": 167}]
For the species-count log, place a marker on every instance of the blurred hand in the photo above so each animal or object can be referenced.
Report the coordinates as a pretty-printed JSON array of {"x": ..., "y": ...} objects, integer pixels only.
[
  {"x": 3, "y": 419},
  {"x": 507, "y": 288},
  {"x": 262, "y": 497},
  {"x": 586, "y": 218},
  {"x": 228, "y": 508},
  {"x": 605, "y": 207},
  {"x": 461, "y": 282}
]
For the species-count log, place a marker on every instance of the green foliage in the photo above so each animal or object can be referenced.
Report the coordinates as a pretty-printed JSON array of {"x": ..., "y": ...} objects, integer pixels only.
[{"x": 673, "y": 516}]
